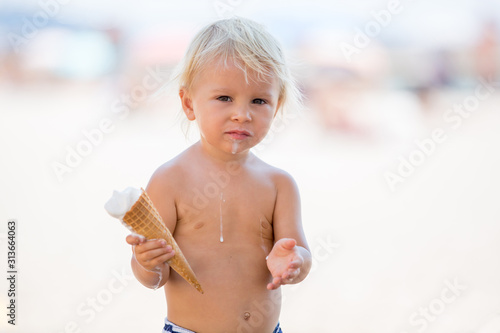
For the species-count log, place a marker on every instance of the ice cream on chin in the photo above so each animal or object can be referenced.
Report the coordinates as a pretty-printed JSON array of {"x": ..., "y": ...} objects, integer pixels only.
[{"x": 136, "y": 210}]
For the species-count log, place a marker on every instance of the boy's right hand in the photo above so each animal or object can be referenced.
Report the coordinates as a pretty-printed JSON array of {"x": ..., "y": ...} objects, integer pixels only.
[{"x": 150, "y": 254}]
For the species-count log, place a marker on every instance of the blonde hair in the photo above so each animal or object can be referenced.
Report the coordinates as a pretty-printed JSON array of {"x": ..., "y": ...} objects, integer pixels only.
[{"x": 249, "y": 46}]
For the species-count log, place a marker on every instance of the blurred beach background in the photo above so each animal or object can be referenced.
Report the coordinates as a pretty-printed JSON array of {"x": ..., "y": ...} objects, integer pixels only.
[{"x": 394, "y": 153}]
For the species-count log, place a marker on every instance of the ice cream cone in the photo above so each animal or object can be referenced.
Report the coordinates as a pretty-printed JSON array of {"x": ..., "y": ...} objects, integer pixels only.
[{"x": 145, "y": 220}]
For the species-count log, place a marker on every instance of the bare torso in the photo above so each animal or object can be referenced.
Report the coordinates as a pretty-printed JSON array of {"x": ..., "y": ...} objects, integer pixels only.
[{"x": 224, "y": 228}]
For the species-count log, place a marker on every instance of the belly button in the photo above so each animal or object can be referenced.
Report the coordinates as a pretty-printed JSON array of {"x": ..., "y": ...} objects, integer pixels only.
[
  {"x": 246, "y": 315},
  {"x": 199, "y": 225}
]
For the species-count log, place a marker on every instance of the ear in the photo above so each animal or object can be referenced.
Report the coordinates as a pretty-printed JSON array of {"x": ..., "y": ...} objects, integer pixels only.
[{"x": 187, "y": 104}]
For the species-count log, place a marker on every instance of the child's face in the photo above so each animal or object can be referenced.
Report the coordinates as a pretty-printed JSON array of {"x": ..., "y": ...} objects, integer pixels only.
[{"x": 233, "y": 115}]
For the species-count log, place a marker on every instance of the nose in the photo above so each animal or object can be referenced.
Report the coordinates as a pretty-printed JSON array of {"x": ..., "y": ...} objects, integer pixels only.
[{"x": 241, "y": 114}]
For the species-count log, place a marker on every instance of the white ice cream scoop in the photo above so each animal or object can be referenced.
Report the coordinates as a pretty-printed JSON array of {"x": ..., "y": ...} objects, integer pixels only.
[{"x": 121, "y": 202}]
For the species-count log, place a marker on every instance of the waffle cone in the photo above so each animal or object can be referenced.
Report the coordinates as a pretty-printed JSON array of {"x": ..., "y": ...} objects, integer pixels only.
[{"x": 144, "y": 219}]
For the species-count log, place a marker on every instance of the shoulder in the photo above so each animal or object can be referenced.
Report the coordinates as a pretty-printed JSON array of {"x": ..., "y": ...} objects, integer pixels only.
[
  {"x": 282, "y": 178},
  {"x": 279, "y": 177},
  {"x": 167, "y": 171},
  {"x": 284, "y": 182},
  {"x": 169, "y": 174}
]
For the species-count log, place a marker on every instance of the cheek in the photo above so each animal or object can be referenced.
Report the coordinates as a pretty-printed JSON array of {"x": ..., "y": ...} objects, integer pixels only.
[
  {"x": 207, "y": 123},
  {"x": 265, "y": 123},
  {"x": 203, "y": 123}
]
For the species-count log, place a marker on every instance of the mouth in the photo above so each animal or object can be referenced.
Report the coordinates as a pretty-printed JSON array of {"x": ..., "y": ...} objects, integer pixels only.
[{"x": 238, "y": 134}]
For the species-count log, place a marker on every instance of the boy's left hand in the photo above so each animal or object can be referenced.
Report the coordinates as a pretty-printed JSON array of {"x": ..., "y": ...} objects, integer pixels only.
[{"x": 284, "y": 262}]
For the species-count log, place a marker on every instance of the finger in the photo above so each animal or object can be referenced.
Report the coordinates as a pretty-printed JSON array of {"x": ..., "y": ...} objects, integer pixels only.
[
  {"x": 296, "y": 263},
  {"x": 135, "y": 238},
  {"x": 291, "y": 275},
  {"x": 288, "y": 274},
  {"x": 288, "y": 243},
  {"x": 146, "y": 255},
  {"x": 276, "y": 283},
  {"x": 132, "y": 240},
  {"x": 151, "y": 245},
  {"x": 272, "y": 286},
  {"x": 289, "y": 279},
  {"x": 162, "y": 258},
  {"x": 152, "y": 254}
]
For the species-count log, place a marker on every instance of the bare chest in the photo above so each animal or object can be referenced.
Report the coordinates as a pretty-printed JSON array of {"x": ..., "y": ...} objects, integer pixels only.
[{"x": 218, "y": 207}]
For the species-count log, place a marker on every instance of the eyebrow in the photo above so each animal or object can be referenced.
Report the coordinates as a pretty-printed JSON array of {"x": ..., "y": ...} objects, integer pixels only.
[
  {"x": 219, "y": 90},
  {"x": 263, "y": 94}
]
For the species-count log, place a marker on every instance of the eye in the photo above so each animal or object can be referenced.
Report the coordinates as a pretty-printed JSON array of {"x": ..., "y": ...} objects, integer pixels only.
[
  {"x": 224, "y": 98},
  {"x": 259, "y": 101}
]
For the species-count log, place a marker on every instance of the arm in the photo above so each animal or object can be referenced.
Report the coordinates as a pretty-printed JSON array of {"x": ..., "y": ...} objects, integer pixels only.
[
  {"x": 290, "y": 259},
  {"x": 149, "y": 256}
]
